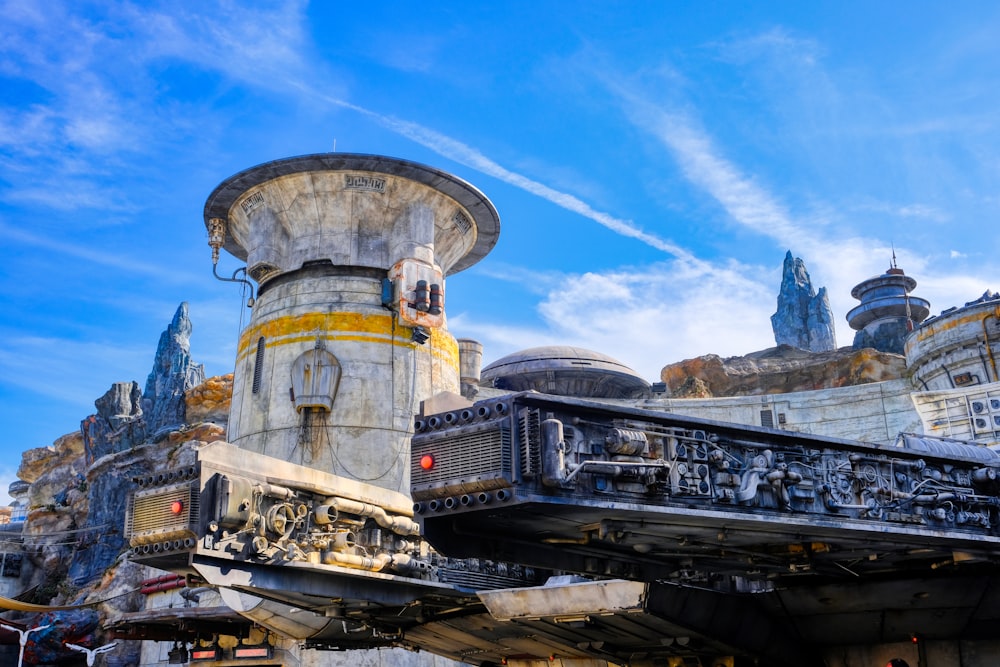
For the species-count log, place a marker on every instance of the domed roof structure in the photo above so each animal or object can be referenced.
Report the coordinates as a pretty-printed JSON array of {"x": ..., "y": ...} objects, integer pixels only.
[{"x": 563, "y": 370}]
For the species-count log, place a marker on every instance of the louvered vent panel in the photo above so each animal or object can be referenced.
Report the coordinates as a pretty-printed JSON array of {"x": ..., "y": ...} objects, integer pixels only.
[
  {"x": 465, "y": 460},
  {"x": 482, "y": 581},
  {"x": 462, "y": 455},
  {"x": 531, "y": 462},
  {"x": 151, "y": 517}
]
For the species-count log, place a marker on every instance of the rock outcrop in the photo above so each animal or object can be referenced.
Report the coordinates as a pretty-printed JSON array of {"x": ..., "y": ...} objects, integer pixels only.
[
  {"x": 804, "y": 318},
  {"x": 209, "y": 401},
  {"x": 173, "y": 373},
  {"x": 73, "y": 536},
  {"x": 118, "y": 423},
  {"x": 779, "y": 370}
]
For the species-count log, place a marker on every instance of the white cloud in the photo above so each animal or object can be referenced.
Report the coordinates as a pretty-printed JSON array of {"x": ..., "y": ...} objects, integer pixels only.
[
  {"x": 114, "y": 260},
  {"x": 914, "y": 210},
  {"x": 776, "y": 43},
  {"x": 262, "y": 46},
  {"x": 645, "y": 316}
]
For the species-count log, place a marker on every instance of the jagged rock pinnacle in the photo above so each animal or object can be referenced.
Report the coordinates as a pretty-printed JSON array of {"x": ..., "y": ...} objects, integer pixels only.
[
  {"x": 173, "y": 373},
  {"x": 804, "y": 318}
]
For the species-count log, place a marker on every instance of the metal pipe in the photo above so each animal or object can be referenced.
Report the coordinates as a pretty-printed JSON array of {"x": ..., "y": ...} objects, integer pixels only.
[
  {"x": 160, "y": 579},
  {"x": 377, "y": 563},
  {"x": 163, "y": 586},
  {"x": 621, "y": 465},
  {"x": 553, "y": 454},
  {"x": 400, "y": 525},
  {"x": 234, "y": 279}
]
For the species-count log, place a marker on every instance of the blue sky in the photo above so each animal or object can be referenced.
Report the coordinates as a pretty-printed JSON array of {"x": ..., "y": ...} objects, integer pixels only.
[{"x": 651, "y": 163}]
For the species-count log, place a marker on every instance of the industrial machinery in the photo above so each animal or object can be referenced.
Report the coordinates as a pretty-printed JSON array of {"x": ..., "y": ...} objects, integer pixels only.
[
  {"x": 279, "y": 537},
  {"x": 337, "y": 520},
  {"x": 682, "y": 529},
  {"x": 607, "y": 490}
]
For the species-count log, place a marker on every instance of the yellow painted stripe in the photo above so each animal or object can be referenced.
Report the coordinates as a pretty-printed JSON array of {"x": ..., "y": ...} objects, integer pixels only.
[{"x": 342, "y": 326}]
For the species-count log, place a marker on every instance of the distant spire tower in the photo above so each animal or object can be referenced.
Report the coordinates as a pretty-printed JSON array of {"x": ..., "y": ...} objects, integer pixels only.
[{"x": 887, "y": 312}]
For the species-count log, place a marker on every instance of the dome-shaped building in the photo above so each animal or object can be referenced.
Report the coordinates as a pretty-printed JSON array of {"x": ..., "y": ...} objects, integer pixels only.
[{"x": 563, "y": 370}]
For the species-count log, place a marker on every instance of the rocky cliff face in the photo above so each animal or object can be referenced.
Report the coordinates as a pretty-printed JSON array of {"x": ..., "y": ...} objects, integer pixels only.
[
  {"x": 779, "y": 370},
  {"x": 73, "y": 536},
  {"x": 804, "y": 318}
]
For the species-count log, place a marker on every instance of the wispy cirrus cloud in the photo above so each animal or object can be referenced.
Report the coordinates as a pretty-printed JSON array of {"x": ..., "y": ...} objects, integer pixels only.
[
  {"x": 840, "y": 251},
  {"x": 50, "y": 367},
  {"x": 459, "y": 152},
  {"x": 120, "y": 263}
]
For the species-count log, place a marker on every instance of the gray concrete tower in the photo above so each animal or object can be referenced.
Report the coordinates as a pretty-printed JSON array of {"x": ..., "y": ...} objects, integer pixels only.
[{"x": 348, "y": 331}]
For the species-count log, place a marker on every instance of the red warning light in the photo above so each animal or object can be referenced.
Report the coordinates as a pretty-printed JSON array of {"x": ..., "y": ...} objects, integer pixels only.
[
  {"x": 426, "y": 461},
  {"x": 176, "y": 507}
]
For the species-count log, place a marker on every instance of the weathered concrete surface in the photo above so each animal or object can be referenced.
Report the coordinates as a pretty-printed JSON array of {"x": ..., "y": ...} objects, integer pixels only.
[
  {"x": 878, "y": 412},
  {"x": 951, "y": 351},
  {"x": 320, "y": 234},
  {"x": 789, "y": 388}
]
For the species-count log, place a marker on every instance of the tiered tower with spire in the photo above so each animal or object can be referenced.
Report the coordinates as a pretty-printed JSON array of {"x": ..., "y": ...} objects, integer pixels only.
[{"x": 887, "y": 312}]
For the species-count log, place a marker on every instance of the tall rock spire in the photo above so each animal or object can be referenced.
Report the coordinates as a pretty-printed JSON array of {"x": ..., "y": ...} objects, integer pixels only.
[
  {"x": 173, "y": 373},
  {"x": 804, "y": 318}
]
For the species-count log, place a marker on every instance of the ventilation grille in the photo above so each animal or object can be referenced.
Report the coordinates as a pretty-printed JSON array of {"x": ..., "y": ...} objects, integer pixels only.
[
  {"x": 258, "y": 366},
  {"x": 491, "y": 576},
  {"x": 531, "y": 458},
  {"x": 165, "y": 513},
  {"x": 463, "y": 461}
]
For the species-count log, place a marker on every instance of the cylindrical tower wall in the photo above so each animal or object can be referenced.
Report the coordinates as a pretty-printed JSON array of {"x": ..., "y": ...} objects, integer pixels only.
[
  {"x": 470, "y": 360},
  {"x": 887, "y": 313},
  {"x": 956, "y": 349},
  {"x": 348, "y": 332},
  {"x": 383, "y": 375}
]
